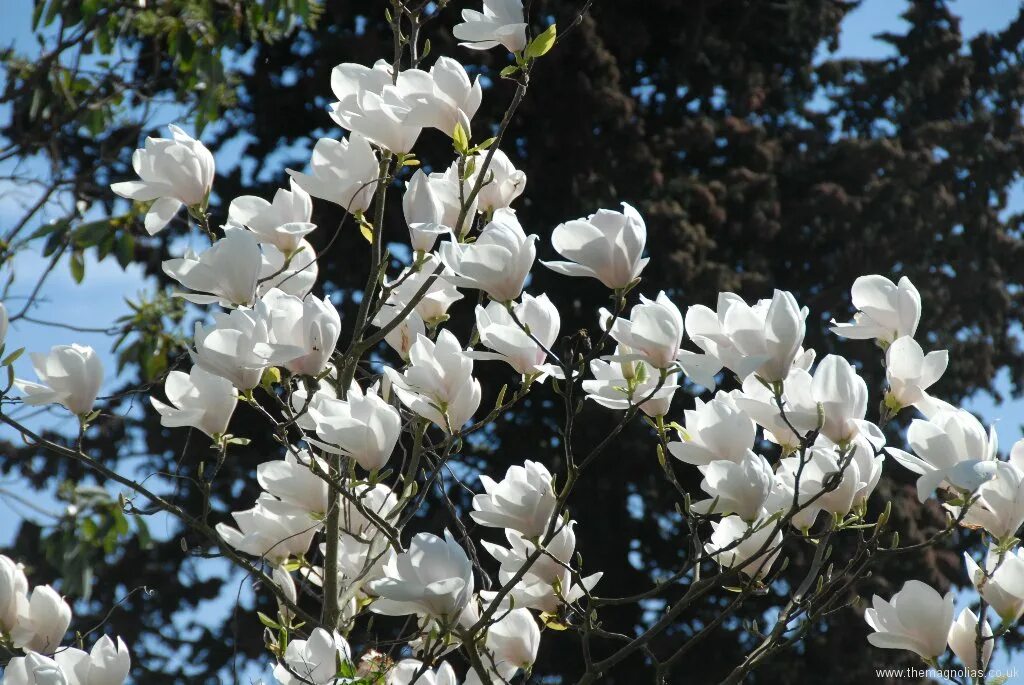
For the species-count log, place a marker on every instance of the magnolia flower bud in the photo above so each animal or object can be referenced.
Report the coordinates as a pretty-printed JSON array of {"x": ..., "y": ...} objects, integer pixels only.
[
  {"x": 917, "y": 618},
  {"x": 433, "y": 578},
  {"x": 523, "y": 501},
  {"x": 608, "y": 246},
  {"x": 71, "y": 375},
  {"x": 43, "y": 618},
  {"x": 174, "y": 172},
  {"x": 498, "y": 262},
  {"x": 423, "y": 212},
  {"x": 501, "y": 23},
  {"x": 200, "y": 400},
  {"x": 283, "y": 224},
  {"x": 343, "y": 172},
  {"x": 963, "y": 640},
  {"x": 885, "y": 311}
]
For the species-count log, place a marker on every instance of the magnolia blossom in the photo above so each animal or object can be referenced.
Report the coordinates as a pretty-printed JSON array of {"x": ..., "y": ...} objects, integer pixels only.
[
  {"x": 950, "y": 449},
  {"x": 313, "y": 661},
  {"x": 198, "y": 399},
  {"x": 536, "y": 589},
  {"x": 885, "y": 311},
  {"x": 740, "y": 488},
  {"x": 1000, "y": 505},
  {"x": 294, "y": 273},
  {"x": 436, "y": 299},
  {"x": 404, "y": 672},
  {"x": 821, "y": 466},
  {"x": 450, "y": 191},
  {"x": 499, "y": 331},
  {"x": 343, "y": 172},
  {"x": 283, "y": 224},
  {"x": 70, "y": 375},
  {"x": 523, "y": 501},
  {"x": 501, "y": 23},
  {"x": 234, "y": 348},
  {"x": 270, "y": 530},
  {"x": 653, "y": 333},
  {"x": 764, "y": 339},
  {"x": 910, "y": 372},
  {"x": 503, "y": 183},
  {"x": 917, "y": 619},
  {"x": 618, "y": 385},
  {"x": 293, "y": 481},
  {"x": 433, "y": 578},
  {"x": 1003, "y": 588},
  {"x": 227, "y": 271},
  {"x": 402, "y": 336},
  {"x": 608, "y": 246},
  {"x": 367, "y": 100},
  {"x": 423, "y": 212},
  {"x": 498, "y": 262},
  {"x": 716, "y": 430},
  {"x": 438, "y": 384},
  {"x": 174, "y": 171},
  {"x": 441, "y": 99},
  {"x": 36, "y": 669},
  {"x": 963, "y": 640},
  {"x": 511, "y": 644},
  {"x": 748, "y": 548},
  {"x": 13, "y": 587},
  {"x": 843, "y": 397},
  {"x": 362, "y": 426},
  {"x": 303, "y": 332},
  {"x": 107, "y": 664},
  {"x": 43, "y": 618},
  {"x": 758, "y": 402}
]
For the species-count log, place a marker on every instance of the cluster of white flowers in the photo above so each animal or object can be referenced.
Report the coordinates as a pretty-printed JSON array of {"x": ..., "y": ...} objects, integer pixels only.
[
  {"x": 34, "y": 623},
  {"x": 269, "y": 331}
]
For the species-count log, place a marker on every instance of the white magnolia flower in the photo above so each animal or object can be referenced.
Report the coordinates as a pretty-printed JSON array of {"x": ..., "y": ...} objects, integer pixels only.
[
  {"x": 433, "y": 578},
  {"x": 438, "y": 297},
  {"x": 406, "y": 670},
  {"x": 523, "y": 501},
  {"x": 618, "y": 385},
  {"x": 438, "y": 384},
  {"x": 910, "y": 372},
  {"x": 293, "y": 481},
  {"x": 107, "y": 664},
  {"x": 440, "y": 99},
  {"x": 234, "y": 347},
  {"x": 313, "y": 661},
  {"x": 608, "y": 246},
  {"x": 1000, "y": 505},
  {"x": 740, "y": 488},
  {"x": 343, "y": 172},
  {"x": 282, "y": 224},
  {"x": 917, "y": 619},
  {"x": 423, "y": 212},
  {"x": 501, "y": 23},
  {"x": 303, "y": 332},
  {"x": 716, "y": 430},
  {"x": 510, "y": 343},
  {"x": 300, "y": 407},
  {"x": 758, "y": 402},
  {"x": 13, "y": 587},
  {"x": 174, "y": 171},
  {"x": 401, "y": 337},
  {"x": 294, "y": 274},
  {"x": 449, "y": 190},
  {"x": 36, "y": 669},
  {"x": 271, "y": 530},
  {"x": 503, "y": 183},
  {"x": 198, "y": 399},
  {"x": 950, "y": 449},
  {"x": 1004, "y": 587},
  {"x": 764, "y": 339},
  {"x": 822, "y": 466},
  {"x": 362, "y": 426},
  {"x": 536, "y": 589},
  {"x": 963, "y": 635},
  {"x": 511, "y": 644},
  {"x": 653, "y": 333},
  {"x": 756, "y": 550},
  {"x": 366, "y": 104},
  {"x": 70, "y": 375},
  {"x": 43, "y": 618},
  {"x": 498, "y": 262},
  {"x": 843, "y": 397},
  {"x": 226, "y": 271},
  {"x": 885, "y": 311}
]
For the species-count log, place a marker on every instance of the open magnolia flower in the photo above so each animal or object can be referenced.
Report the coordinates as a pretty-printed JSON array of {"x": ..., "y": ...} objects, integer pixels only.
[
  {"x": 197, "y": 399},
  {"x": 173, "y": 171},
  {"x": 885, "y": 311},
  {"x": 226, "y": 272},
  {"x": 715, "y": 430},
  {"x": 523, "y": 501},
  {"x": 370, "y": 104},
  {"x": 272, "y": 530},
  {"x": 71, "y": 375},
  {"x": 503, "y": 183},
  {"x": 343, "y": 172},
  {"x": 443, "y": 98},
  {"x": 618, "y": 385},
  {"x": 608, "y": 246},
  {"x": 500, "y": 23},
  {"x": 917, "y": 619},
  {"x": 283, "y": 223},
  {"x": 522, "y": 336},
  {"x": 362, "y": 426},
  {"x": 750, "y": 549},
  {"x": 314, "y": 661},
  {"x": 498, "y": 262}
]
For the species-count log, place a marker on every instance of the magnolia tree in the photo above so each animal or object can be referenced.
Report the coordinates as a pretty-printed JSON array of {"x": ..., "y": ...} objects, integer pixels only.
[{"x": 369, "y": 413}]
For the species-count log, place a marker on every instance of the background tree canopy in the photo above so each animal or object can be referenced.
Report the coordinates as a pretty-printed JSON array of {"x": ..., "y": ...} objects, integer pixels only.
[{"x": 755, "y": 164}]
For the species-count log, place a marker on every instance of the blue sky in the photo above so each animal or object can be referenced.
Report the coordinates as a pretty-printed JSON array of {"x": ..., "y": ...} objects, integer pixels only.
[{"x": 100, "y": 299}]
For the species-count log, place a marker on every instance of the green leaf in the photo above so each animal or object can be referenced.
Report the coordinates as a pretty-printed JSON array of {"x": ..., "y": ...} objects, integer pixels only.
[
  {"x": 78, "y": 265},
  {"x": 367, "y": 232},
  {"x": 267, "y": 621},
  {"x": 12, "y": 357},
  {"x": 509, "y": 70},
  {"x": 540, "y": 45},
  {"x": 460, "y": 139}
]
